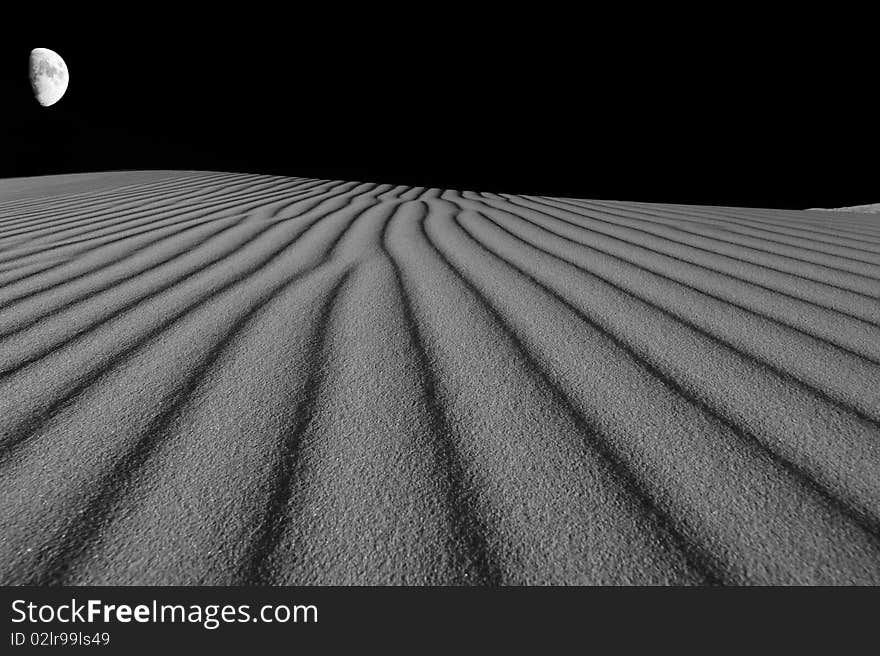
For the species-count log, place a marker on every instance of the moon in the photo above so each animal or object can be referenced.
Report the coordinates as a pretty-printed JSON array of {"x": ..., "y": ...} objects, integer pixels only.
[{"x": 49, "y": 77}]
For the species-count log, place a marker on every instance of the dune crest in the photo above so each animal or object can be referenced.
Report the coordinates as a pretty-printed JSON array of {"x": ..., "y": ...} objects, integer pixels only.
[{"x": 862, "y": 209}]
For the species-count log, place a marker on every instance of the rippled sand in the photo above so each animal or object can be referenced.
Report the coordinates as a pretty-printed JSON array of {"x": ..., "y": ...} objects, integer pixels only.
[{"x": 213, "y": 378}]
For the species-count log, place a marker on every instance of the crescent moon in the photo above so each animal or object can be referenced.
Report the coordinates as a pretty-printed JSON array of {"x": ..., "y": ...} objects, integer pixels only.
[{"x": 49, "y": 76}]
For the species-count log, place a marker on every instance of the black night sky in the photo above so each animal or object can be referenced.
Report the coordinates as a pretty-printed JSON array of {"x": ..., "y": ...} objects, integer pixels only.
[{"x": 516, "y": 107}]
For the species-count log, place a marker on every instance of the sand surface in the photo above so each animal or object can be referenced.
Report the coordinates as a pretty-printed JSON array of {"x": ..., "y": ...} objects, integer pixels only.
[{"x": 213, "y": 378}]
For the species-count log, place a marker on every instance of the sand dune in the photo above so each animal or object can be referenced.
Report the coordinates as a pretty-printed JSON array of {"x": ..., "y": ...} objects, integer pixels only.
[
  {"x": 211, "y": 378},
  {"x": 863, "y": 209}
]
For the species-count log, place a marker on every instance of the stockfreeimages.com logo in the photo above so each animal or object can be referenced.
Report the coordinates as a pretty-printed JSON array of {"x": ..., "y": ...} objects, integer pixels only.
[{"x": 210, "y": 616}]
